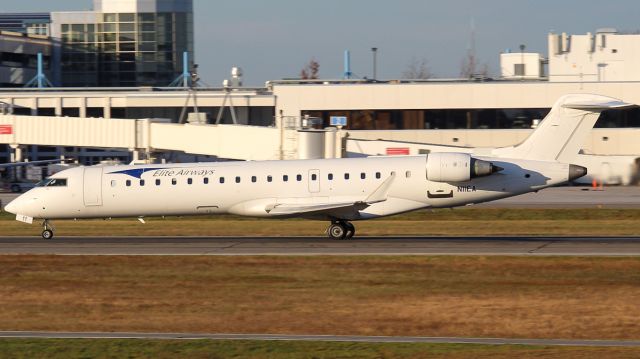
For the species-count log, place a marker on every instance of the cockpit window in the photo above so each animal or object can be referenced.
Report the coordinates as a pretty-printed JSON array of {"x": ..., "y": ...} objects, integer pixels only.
[{"x": 52, "y": 182}]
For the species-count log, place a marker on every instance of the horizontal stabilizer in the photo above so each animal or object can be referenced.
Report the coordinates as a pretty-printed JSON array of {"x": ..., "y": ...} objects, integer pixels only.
[{"x": 598, "y": 105}]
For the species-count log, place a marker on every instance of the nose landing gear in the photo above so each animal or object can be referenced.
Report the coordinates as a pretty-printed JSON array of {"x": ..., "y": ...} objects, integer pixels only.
[
  {"x": 47, "y": 232},
  {"x": 341, "y": 230}
]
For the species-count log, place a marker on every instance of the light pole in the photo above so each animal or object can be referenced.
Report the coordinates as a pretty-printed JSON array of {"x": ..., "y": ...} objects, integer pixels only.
[
  {"x": 522, "y": 47},
  {"x": 374, "y": 51}
]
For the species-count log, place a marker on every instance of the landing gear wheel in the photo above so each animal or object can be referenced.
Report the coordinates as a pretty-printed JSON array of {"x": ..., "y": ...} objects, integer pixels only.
[
  {"x": 337, "y": 231},
  {"x": 351, "y": 230},
  {"x": 47, "y": 234}
]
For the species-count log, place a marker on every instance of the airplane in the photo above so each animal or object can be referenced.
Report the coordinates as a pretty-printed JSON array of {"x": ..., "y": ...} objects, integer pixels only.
[{"x": 336, "y": 190}]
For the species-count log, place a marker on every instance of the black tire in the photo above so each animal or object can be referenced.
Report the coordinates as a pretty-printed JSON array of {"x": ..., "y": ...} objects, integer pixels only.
[
  {"x": 47, "y": 234},
  {"x": 16, "y": 188},
  {"x": 351, "y": 230},
  {"x": 337, "y": 231}
]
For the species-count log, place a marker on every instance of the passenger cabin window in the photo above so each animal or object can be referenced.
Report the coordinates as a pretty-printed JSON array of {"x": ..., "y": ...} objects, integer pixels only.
[
  {"x": 408, "y": 174},
  {"x": 114, "y": 183},
  {"x": 128, "y": 183},
  {"x": 363, "y": 175},
  {"x": 378, "y": 175},
  {"x": 237, "y": 179},
  {"x": 285, "y": 178},
  {"x": 174, "y": 181},
  {"x": 269, "y": 179},
  {"x": 299, "y": 178},
  {"x": 221, "y": 179},
  {"x": 314, "y": 177},
  {"x": 205, "y": 180},
  {"x": 346, "y": 176},
  {"x": 254, "y": 179},
  {"x": 157, "y": 182},
  {"x": 330, "y": 176},
  {"x": 141, "y": 183},
  {"x": 189, "y": 181}
]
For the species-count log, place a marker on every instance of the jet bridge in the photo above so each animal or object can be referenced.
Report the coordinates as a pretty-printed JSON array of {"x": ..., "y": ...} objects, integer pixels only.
[{"x": 145, "y": 135}]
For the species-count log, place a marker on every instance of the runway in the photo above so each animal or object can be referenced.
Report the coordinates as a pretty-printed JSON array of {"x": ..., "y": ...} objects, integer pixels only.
[
  {"x": 526, "y": 246},
  {"x": 323, "y": 338}
]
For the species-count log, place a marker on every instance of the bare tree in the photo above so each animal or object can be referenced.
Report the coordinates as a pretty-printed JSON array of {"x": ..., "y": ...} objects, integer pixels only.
[
  {"x": 310, "y": 70},
  {"x": 418, "y": 69},
  {"x": 469, "y": 67}
]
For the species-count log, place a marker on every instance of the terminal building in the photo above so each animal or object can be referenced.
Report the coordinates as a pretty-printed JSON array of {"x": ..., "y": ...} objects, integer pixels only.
[
  {"x": 290, "y": 119},
  {"x": 126, "y": 43}
]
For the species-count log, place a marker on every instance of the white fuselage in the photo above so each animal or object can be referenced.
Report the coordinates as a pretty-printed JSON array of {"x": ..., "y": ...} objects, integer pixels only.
[{"x": 251, "y": 188}]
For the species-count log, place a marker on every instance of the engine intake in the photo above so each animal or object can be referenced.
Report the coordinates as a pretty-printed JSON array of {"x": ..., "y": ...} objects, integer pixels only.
[{"x": 457, "y": 167}]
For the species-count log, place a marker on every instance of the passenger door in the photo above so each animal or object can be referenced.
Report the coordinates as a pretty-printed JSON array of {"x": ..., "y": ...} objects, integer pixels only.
[{"x": 92, "y": 186}]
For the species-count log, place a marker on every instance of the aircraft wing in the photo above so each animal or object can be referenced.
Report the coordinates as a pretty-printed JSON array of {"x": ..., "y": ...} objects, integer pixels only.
[
  {"x": 285, "y": 209},
  {"x": 335, "y": 209}
]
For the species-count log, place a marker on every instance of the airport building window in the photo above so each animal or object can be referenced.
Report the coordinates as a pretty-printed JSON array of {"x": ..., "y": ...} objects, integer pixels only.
[
  {"x": 314, "y": 177},
  {"x": 346, "y": 176},
  {"x": 299, "y": 178},
  {"x": 157, "y": 182},
  {"x": 221, "y": 179},
  {"x": 254, "y": 179},
  {"x": 206, "y": 180},
  {"x": 189, "y": 181},
  {"x": 174, "y": 181},
  {"x": 141, "y": 183},
  {"x": 363, "y": 175},
  {"x": 269, "y": 178},
  {"x": 113, "y": 183},
  {"x": 378, "y": 175},
  {"x": 128, "y": 183},
  {"x": 237, "y": 179},
  {"x": 285, "y": 178},
  {"x": 330, "y": 176}
]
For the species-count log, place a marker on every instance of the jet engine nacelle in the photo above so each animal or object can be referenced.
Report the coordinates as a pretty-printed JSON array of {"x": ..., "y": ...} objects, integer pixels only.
[{"x": 457, "y": 167}]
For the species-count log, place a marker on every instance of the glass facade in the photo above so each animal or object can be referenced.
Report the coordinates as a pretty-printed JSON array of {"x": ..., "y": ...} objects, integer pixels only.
[
  {"x": 461, "y": 118},
  {"x": 26, "y": 23},
  {"x": 125, "y": 49}
]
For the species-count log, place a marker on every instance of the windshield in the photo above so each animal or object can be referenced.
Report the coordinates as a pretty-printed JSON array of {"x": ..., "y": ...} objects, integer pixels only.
[{"x": 52, "y": 182}]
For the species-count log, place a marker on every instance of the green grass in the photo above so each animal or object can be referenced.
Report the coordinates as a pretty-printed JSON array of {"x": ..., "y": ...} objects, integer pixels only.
[
  {"x": 132, "y": 348},
  {"x": 444, "y": 222}
]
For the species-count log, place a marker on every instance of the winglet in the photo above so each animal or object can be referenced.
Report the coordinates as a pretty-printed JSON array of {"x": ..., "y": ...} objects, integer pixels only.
[{"x": 380, "y": 194}]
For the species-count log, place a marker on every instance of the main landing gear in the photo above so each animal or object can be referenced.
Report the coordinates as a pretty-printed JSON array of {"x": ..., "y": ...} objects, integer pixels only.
[
  {"x": 47, "y": 232},
  {"x": 341, "y": 230}
]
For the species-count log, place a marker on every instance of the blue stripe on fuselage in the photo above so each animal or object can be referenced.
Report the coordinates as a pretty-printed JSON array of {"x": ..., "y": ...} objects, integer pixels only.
[{"x": 137, "y": 172}]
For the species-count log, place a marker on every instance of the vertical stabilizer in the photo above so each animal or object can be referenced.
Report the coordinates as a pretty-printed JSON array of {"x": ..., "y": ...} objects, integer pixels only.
[{"x": 562, "y": 133}]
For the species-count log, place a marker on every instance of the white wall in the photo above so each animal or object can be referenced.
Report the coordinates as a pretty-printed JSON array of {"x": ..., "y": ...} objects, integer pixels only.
[{"x": 594, "y": 57}]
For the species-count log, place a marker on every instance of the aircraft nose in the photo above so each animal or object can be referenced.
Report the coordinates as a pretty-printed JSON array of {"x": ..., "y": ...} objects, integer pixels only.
[{"x": 12, "y": 207}]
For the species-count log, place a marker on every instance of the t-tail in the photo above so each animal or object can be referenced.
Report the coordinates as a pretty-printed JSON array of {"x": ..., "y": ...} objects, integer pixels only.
[{"x": 562, "y": 133}]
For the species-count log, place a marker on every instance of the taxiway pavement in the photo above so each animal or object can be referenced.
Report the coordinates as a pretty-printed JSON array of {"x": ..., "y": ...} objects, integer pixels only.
[
  {"x": 573, "y": 246},
  {"x": 324, "y": 338}
]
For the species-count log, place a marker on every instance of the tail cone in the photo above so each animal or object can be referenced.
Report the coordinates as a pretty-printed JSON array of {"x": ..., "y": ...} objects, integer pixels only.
[{"x": 576, "y": 172}]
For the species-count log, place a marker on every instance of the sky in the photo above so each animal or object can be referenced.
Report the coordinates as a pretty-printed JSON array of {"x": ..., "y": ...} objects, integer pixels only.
[{"x": 274, "y": 39}]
